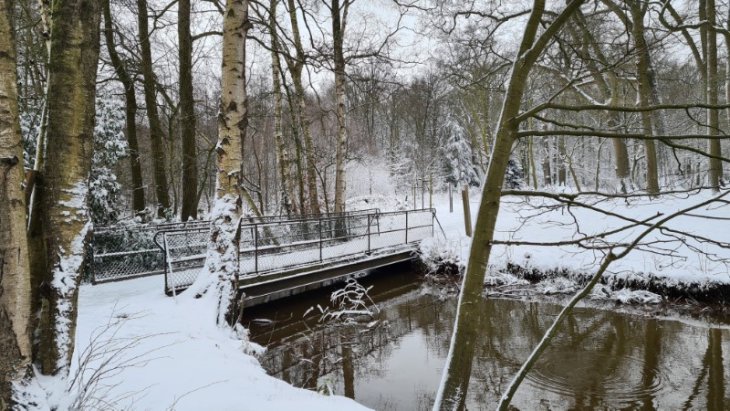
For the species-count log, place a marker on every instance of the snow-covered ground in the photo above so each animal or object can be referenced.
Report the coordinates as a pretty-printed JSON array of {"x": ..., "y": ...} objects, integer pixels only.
[
  {"x": 670, "y": 257},
  {"x": 171, "y": 355},
  {"x": 176, "y": 357}
]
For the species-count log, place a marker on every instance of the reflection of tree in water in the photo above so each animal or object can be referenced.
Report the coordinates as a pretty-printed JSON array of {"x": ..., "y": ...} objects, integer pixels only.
[
  {"x": 600, "y": 359},
  {"x": 330, "y": 350},
  {"x": 713, "y": 372}
]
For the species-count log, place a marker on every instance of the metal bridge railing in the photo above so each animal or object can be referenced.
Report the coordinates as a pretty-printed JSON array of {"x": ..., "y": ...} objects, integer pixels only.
[
  {"x": 122, "y": 252},
  {"x": 282, "y": 245}
]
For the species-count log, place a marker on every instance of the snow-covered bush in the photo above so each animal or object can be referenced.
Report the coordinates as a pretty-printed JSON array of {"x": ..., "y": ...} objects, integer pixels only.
[
  {"x": 459, "y": 165},
  {"x": 515, "y": 176},
  {"x": 348, "y": 304},
  {"x": 30, "y": 126},
  {"x": 441, "y": 256},
  {"x": 110, "y": 146}
]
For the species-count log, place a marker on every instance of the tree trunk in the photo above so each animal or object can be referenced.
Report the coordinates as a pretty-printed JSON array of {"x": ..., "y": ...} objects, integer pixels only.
[
  {"x": 219, "y": 280},
  {"x": 153, "y": 117},
  {"x": 713, "y": 119},
  {"x": 547, "y": 173},
  {"x": 189, "y": 201},
  {"x": 130, "y": 99},
  {"x": 15, "y": 302},
  {"x": 295, "y": 68},
  {"x": 65, "y": 216},
  {"x": 455, "y": 381},
  {"x": 643, "y": 67},
  {"x": 561, "y": 160},
  {"x": 282, "y": 154},
  {"x": 339, "y": 16},
  {"x": 610, "y": 91}
]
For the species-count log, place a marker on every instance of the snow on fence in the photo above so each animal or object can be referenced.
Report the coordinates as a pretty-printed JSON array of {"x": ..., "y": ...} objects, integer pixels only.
[
  {"x": 274, "y": 246},
  {"x": 122, "y": 252}
]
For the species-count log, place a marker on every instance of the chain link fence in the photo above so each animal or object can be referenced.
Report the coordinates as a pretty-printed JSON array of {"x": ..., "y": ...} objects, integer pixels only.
[{"x": 128, "y": 251}]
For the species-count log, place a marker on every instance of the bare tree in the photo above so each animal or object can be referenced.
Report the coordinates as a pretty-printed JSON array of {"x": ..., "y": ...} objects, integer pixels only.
[
  {"x": 15, "y": 292},
  {"x": 189, "y": 183},
  {"x": 65, "y": 219},
  {"x": 455, "y": 380},
  {"x": 153, "y": 117},
  {"x": 130, "y": 100}
]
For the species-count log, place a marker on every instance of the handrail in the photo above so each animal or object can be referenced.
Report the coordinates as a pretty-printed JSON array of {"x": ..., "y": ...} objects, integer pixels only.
[{"x": 298, "y": 242}]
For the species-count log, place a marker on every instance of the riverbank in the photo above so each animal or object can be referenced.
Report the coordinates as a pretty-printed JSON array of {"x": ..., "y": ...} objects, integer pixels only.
[
  {"x": 137, "y": 348},
  {"x": 539, "y": 245}
]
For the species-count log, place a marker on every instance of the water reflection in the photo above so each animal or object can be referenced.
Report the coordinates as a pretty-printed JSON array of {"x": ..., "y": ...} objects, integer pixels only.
[{"x": 601, "y": 359}]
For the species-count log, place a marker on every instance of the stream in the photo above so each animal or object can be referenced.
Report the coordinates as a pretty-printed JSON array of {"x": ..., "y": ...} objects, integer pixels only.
[{"x": 601, "y": 358}]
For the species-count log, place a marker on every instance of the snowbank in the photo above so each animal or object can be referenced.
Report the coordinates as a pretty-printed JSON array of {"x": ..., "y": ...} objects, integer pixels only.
[
  {"x": 179, "y": 359},
  {"x": 666, "y": 260}
]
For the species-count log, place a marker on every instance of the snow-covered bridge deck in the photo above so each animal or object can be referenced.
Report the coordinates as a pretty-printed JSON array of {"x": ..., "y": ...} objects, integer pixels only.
[{"x": 284, "y": 257}]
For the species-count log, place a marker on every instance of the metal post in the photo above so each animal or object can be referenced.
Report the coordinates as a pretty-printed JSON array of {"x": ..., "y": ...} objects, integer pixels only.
[
  {"x": 368, "y": 233},
  {"x": 423, "y": 192},
  {"x": 91, "y": 259},
  {"x": 414, "y": 195},
  {"x": 451, "y": 200},
  {"x": 433, "y": 217},
  {"x": 430, "y": 191},
  {"x": 164, "y": 256},
  {"x": 406, "y": 226},
  {"x": 256, "y": 248},
  {"x": 320, "y": 239}
]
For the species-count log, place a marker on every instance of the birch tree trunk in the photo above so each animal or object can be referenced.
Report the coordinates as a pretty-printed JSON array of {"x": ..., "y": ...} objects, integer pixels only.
[
  {"x": 153, "y": 117},
  {"x": 219, "y": 279},
  {"x": 15, "y": 302},
  {"x": 189, "y": 201},
  {"x": 455, "y": 380},
  {"x": 65, "y": 217},
  {"x": 130, "y": 100}
]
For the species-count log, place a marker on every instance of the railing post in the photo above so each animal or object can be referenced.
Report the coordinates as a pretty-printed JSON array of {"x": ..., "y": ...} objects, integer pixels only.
[
  {"x": 256, "y": 248},
  {"x": 368, "y": 233},
  {"x": 91, "y": 258},
  {"x": 164, "y": 259},
  {"x": 320, "y": 239},
  {"x": 406, "y": 226},
  {"x": 433, "y": 217}
]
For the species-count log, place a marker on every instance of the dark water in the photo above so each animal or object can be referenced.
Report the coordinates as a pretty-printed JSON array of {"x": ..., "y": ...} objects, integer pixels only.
[{"x": 601, "y": 360}]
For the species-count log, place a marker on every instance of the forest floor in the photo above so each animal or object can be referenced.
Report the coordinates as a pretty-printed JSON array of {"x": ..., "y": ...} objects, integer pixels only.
[{"x": 167, "y": 353}]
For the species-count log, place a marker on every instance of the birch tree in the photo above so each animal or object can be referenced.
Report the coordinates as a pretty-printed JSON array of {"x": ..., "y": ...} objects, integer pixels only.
[
  {"x": 282, "y": 154},
  {"x": 339, "y": 12},
  {"x": 219, "y": 280},
  {"x": 65, "y": 219},
  {"x": 15, "y": 291}
]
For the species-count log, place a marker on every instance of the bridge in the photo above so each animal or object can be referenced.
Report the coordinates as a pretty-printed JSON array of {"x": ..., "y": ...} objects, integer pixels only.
[{"x": 278, "y": 256}]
